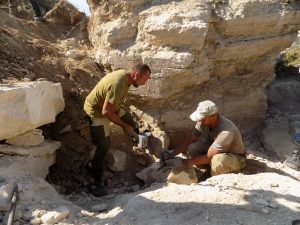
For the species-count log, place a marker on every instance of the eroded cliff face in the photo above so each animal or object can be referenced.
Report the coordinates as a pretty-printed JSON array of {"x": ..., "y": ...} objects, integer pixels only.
[{"x": 224, "y": 51}]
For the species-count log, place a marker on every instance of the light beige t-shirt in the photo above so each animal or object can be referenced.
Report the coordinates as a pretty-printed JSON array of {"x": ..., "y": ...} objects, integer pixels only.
[
  {"x": 113, "y": 87},
  {"x": 226, "y": 137}
]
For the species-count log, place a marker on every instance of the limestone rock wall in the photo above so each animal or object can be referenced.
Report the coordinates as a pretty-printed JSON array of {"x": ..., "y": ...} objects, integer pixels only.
[{"x": 224, "y": 51}]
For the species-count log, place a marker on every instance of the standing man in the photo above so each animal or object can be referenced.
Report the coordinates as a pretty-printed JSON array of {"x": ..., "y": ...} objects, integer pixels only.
[
  {"x": 215, "y": 141},
  {"x": 103, "y": 105}
]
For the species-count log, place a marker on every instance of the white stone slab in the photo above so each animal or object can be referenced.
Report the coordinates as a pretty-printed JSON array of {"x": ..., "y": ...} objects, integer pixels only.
[
  {"x": 28, "y": 161},
  {"x": 26, "y": 106},
  {"x": 56, "y": 215},
  {"x": 27, "y": 139},
  {"x": 48, "y": 147}
]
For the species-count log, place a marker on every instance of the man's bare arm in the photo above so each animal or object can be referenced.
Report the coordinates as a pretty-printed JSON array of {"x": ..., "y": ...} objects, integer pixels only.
[
  {"x": 109, "y": 111},
  {"x": 202, "y": 159},
  {"x": 183, "y": 146}
]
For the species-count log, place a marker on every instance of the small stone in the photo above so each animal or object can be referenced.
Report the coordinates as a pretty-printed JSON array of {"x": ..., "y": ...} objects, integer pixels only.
[
  {"x": 274, "y": 185},
  {"x": 56, "y": 215},
  {"x": 135, "y": 188},
  {"x": 87, "y": 213},
  {"x": 17, "y": 222},
  {"x": 262, "y": 202},
  {"x": 43, "y": 202},
  {"x": 35, "y": 221},
  {"x": 39, "y": 212},
  {"x": 111, "y": 196},
  {"x": 273, "y": 205},
  {"x": 265, "y": 210},
  {"x": 27, "y": 216},
  {"x": 99, "y": 208},
  {"x": 66, "y": 129}
]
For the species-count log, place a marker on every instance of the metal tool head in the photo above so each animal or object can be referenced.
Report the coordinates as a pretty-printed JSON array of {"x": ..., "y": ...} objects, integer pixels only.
[{"x": 142, "y": 139}]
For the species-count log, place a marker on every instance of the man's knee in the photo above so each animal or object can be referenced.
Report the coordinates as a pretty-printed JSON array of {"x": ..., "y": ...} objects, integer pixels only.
[{"x": 226, "y": 163}]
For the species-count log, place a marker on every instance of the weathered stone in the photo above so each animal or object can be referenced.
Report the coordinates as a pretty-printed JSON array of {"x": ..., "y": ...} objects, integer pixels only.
[
  {"x": 87, "y": 213},
  {"x": 26, "y": 106},
  {"x": 279, "y": 141},
  {"x": 99, "y": 207},
  {"x": 46, "y": 148},
  {"x": 24, "y": 161},
  {"x": 75, "y": 142},
  {"x": 177, "y": 26},
  {"x": 56, "y": 215},
  {"x": 119, "y": 31},
  {"x": 116, "y": 160},
  {"x": 158, "y": 142},
  {"x": 27, "y": 139},
  {"x": 183, "y": 176},
  {"x": 66, "y": 129},
  {"x": 153, "y": 174},
  {"x": 284, "y": 95},
  {"x": 6, "y": 191},
  {"x": 35, "y": 221}
]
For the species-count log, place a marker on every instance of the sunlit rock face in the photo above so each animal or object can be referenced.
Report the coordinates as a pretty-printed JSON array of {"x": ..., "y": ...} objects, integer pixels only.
[
  {"x": 28, "y": 105},
  {"x": 197, "y": 50}
]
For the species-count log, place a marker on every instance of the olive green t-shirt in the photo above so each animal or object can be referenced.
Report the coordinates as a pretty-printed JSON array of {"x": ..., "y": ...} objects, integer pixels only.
[
  {"x": 113, "y": 87},
  {"x": 226, "y": 137}
]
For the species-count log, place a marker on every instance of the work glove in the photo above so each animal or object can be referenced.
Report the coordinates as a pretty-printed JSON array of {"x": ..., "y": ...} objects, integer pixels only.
[
  {"x": 175, "y": 162},
  {"x": 165, "y": 155}
]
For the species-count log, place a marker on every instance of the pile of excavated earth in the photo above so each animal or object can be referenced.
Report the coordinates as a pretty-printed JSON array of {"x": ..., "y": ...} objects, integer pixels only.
[{"x": 220, "y": 50}]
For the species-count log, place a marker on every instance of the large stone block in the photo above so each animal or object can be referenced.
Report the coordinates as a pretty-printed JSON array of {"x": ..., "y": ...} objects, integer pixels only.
[
  {"x": 6, "y": 191},
  {"x": 28, "y": 161},
  {"x": 27, "y": 139},
  {"x": 116, "y": 160},
  {"x": 26, "y": 106}
]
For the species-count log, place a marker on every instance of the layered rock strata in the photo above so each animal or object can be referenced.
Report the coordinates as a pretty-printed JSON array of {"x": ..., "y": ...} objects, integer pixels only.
[{"x": 224, "y": 51}]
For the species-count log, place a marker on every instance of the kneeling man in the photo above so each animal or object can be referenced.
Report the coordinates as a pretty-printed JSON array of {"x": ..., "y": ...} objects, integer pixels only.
[{"x": 215, "y": 141}]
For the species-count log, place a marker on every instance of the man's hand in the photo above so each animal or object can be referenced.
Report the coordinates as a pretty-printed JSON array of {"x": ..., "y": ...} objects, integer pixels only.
[
  {"x": 165, "y": 155},
  {"x": 175, "y": 162}
]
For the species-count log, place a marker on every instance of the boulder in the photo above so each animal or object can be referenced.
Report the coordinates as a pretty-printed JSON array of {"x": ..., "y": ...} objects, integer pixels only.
[
  {"x": 183, "y": 176},
  {"x": 278, "y": 141},
  {"x": 153, "y": 174},
  {"x": 64, "y": 13},
  {"x": 6, "y": 191},
  {"x": 26, "y": 106},
  {"x": 27, "y": 139},
  {"x": 116, "y": 160},
  {"x": 28, "y": 161},
  {"x": 158, "y": 142}
]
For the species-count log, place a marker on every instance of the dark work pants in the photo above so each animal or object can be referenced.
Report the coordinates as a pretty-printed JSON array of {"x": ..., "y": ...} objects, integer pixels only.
[{"x": 103, "y": 144}]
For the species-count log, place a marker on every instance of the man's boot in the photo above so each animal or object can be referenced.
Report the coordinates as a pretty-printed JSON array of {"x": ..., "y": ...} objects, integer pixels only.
[{"x": 293, "y": 160}]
